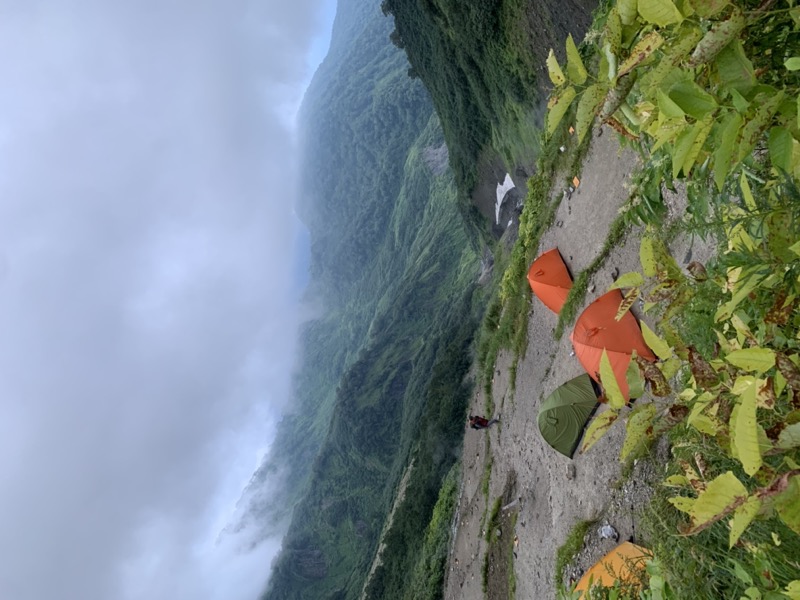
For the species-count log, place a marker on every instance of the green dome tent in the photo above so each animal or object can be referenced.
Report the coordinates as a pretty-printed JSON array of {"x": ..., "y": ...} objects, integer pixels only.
[{"x": 563, "y": 416}]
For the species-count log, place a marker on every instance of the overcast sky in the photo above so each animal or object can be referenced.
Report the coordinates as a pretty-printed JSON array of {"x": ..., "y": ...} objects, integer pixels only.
[{"x": 147, "y": 301}]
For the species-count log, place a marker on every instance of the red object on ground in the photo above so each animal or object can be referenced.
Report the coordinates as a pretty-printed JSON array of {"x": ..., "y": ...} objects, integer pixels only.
[
  {"x": 596, "y": 329},
  {"x": 550, "y": 280}
]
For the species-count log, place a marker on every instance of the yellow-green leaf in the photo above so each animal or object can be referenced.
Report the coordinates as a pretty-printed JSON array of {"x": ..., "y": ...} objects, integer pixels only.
[
  {"x": 752, "y": 359},
  {"x": 667, "y": 106},
  {"x": 793, "y": 590},
  {"x": 676, "y": 481},
  {"x": 627, "y": 11},
  {"x": 647, "y": 256},
  {"x": 742, "y": 517},
  {"x": 575, "y": 69},
  {"x": 627, "y": 302},
  {"x": 682, "y": 503},
  {"x": 639, "y": 423},
  {"x": 627, "y": 280},
  {"x": 787, "y": 503},
  {"x": 659, "y": 346},
  {"x": 709, "y": 8},
  {"x": 598, "y": 428},
  {"x": 670, "y": 367},
  {"x": 790, "y": 437},
  {"x": 680, "y": 151},
  {"x": 792, "y": 64},
  {"x": 744, "y": 432},
  {"x": 558, "y": 106},
  {"x": 659, "y": 12},
  {"x": 719, "y": 495},
  {"x": 747, "y": 193},
  {"x": 610, "y": 385},
  {"x": 587, "y": 108},
  {"x": 614, "y": 30},
  {"x": 641, "y": 51},
  {"x": 554, "y": 70}
]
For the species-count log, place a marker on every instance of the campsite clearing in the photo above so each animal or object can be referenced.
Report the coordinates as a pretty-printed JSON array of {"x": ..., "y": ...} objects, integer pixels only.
[{"x": 554, "y": 493}]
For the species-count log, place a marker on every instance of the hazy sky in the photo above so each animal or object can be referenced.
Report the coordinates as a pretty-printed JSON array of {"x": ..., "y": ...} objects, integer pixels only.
[{"x": 147, "y": 309}]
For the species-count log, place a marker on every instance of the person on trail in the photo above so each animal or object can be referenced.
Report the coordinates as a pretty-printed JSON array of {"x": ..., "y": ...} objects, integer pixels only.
[{"x": 477, "y": 422}]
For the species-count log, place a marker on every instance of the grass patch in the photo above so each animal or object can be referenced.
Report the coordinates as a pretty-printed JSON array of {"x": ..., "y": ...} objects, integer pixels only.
[{"x": 568, "y": 551}]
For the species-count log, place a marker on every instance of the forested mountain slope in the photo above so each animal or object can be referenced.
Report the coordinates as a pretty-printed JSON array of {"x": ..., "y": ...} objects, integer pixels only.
[{"x": 383, "y": 369}]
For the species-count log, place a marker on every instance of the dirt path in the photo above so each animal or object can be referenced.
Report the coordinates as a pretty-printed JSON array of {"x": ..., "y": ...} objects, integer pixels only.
[{"x": 553, "y": 492}]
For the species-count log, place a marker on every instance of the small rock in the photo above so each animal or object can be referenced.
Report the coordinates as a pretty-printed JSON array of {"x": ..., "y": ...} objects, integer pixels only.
[
  {"x": 592, "y": 288},
  {"x": 607, "y": 532},
  {"x": 570, "y": 470}
]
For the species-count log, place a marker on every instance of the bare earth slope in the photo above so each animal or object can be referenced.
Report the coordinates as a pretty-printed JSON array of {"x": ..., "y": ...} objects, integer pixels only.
[{"x": 551, "y": 496}]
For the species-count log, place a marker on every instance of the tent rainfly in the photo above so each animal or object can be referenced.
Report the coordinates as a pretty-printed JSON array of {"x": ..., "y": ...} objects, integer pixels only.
[
  {"x": 550, "y": 279},
  {"x": 597, "y": 329},
  {"x": 563, "y": 416},
  {"x": 626, "y": 562}
]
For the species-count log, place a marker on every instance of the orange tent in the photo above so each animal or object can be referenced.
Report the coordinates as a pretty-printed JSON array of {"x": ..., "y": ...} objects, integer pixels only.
[
  {"x": 550, "y": 280},
  {"x": 597, "y": 329},
  {"x": 626, "y": 562}
]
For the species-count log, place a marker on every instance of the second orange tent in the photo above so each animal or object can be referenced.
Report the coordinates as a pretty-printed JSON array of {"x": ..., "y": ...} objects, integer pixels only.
[{"x": 597, "y": 330}]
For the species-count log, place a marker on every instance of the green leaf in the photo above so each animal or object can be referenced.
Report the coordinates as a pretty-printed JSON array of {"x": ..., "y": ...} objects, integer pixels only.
[
  {"x": 639, "y": 428},
  {"x": 729, "y": 131},
  {"x": 787, "y": 503},
  {"x": 790, "y": 437},
  {"x": 719, "y": 495},
  {"x": 587, "y": 108},
  {"x": 627, "y": 280},
  {"x": 598, "y": 428},
  {"x": 610, "y": 385},
  {"x": 780, "y": 148},
  {"x": 667, "y": 106},
  {"x": 740, "y": 103},
  {"x": 682, "y": 148},
  {"x": 633, "y": 375},
  {"x": 767, "y": 106},
  {"x": 554, "y": 70},
  {"x": 744, "y": 432},
  {"x": 742, "y": 517},
  {"x": 734, "y": 69},
  {"x": 793, "y": 63},
  {"x": 575, "y": 69},
  {"x": 752, "y": 359},
  {"x": 627, "y": 11},
  {"x": 709, "y": 8},
  {"x": 641, "y": 51},
  {"x": 692, "y": 99},
  {"x": 558, "y": 107},
  {"x": 659, "y": 346},
  {"x": 702, "y": 129},
  {"x": 659, "y": 12},
  {"x": 747, "y": 193}
]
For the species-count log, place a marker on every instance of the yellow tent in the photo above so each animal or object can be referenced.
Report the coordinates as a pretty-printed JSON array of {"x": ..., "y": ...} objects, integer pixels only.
[{"x": 622, "y": 563}]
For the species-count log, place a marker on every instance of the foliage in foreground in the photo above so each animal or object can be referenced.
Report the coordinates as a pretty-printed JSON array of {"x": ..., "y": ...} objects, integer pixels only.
[
  {"x": 699, "y": 85},
  {"x": 741, "y": 405}
]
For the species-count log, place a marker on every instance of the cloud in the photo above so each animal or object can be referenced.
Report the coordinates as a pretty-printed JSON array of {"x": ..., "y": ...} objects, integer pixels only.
[{"x": 147, "y": 318}]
